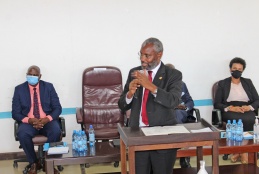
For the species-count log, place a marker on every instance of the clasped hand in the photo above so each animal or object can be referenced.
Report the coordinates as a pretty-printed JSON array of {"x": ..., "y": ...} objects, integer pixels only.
[
  {"x": 240, "y": 109},
  {"x": 140, "y": 79},
  {"x": 38, "y": 123}
]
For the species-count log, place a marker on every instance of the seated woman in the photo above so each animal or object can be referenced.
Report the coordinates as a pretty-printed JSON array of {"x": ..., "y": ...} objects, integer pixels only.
[{"x": 237, "y": 98}]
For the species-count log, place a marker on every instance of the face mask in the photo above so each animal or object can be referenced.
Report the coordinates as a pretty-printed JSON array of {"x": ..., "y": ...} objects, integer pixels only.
[
  {"x": 32, "y": 80},
  {"x": 236, "y": 74}
]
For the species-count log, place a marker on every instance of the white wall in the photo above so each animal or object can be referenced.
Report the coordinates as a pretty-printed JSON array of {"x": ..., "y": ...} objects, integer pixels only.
[{"x": 63, "y": 37}]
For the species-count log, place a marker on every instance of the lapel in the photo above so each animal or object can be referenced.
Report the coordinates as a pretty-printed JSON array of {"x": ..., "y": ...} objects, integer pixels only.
[
  {"x": 227, "y": 88},
  {"x": 41, "y": 89},
  {"x": 27, "y": 94},
  {"x": 160, "y": 75},
  {"x": 246, "y": 87}
]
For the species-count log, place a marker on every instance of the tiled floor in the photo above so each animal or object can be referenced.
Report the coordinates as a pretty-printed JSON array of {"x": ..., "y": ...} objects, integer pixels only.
[{"x": 6, "y": 167}]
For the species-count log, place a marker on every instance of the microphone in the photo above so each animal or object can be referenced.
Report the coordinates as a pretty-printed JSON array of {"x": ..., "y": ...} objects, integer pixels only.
[{"x": 136, "y": 94}]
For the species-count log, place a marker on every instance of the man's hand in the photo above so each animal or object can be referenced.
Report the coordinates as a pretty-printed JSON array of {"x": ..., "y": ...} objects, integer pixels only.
[
  {"x": 43, "y": 121},
  {"x": 143, "y": 80},
  {"x": 133, "y": 86},
  {"x": 182, "y": 107},
  {"x": 34, "y": 122}
]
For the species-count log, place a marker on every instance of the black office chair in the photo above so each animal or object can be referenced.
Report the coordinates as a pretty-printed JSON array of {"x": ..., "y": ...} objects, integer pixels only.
[{"x": 39, "y": 141}]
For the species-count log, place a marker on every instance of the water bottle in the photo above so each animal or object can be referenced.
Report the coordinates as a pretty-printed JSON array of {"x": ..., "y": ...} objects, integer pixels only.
[
  {"x": 80, "y": 142},
  {"x": 84, "y": 139},
  {"x": 242, "y": 128},
  {"x": 74, "y": 140},
  {"x": 91, "y": 136},
  {"x": 233, "y": 130},
  {"x": 228, "y": 130},
  {"x": 92, "y": 150},
  {"x": 239, "y": 132},
  {"x": 256, "y": 130},
  {"x": 202, "y": 169}
]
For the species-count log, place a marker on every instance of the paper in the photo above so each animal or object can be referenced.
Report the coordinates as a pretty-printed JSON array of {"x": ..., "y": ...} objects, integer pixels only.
[
  {"x": 163, "y": 130},
  {"x": 57, "y": 150},
  {"x": 206, "y": 129}
]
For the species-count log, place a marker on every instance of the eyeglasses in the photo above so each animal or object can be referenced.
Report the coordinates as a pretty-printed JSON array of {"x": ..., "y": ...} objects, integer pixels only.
[{"x": 147, "y": 56}]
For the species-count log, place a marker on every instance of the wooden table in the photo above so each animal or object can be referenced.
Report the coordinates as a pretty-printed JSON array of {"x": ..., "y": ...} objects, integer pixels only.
[
  {"x": 135, "y": 140},
  {"x": 225, "y": 147},
  {"x": 104, "y": 152}
]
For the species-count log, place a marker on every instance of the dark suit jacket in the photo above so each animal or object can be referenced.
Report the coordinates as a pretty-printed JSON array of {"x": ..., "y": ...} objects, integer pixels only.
[
  {"x": 186, "y": 97},
  {"x": 223, "y": 90},
  {"x": 160, "y": 109},
  {"x": 21, "y": 104}
]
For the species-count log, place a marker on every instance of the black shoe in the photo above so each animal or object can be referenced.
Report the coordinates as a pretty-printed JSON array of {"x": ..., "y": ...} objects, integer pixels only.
[{"x": 185, "y": 162}]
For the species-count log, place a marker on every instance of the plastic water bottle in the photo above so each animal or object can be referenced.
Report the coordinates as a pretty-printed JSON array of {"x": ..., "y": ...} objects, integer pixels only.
[
  {"x": 202, "y": 169},
  {"x": 74, "y": 140},
  {"x": 92, "y": 150},
  {"x": 239, "y": 132},
  {"x": 228, "y": 130},
  {"x": 84, "y": 139},
  {"x": 256, "y": 130},
  {"x": 233, "y": 130},
  {"x": 242, "y": 128},
  {"x": 91, "y": 136},
  {"x": 80, "y": 142}
]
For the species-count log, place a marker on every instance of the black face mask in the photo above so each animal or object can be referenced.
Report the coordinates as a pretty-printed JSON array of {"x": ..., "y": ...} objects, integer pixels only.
[{"x": 236, "y": 74}]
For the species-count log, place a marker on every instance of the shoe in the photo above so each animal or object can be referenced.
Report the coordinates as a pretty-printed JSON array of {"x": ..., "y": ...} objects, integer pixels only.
[
  {"x": 56, "y": 171},
  {"x": 234, "y": 157},
  {"x": 34, "y": 167},
  {"x": 244, "y": 158},
  {"x": 185, "y": 162}
]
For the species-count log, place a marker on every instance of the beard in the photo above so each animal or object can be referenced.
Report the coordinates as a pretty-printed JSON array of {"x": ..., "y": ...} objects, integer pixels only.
[{"x": 150, "y": 66}]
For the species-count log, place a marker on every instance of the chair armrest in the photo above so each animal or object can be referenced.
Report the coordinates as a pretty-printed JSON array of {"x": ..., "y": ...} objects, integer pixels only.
[
  {"x": 63, "y": 126},
  {"x": 79, "y": 115},
  {"x": 217, "y": 118},
  {"x": 16, "y": 125},
  {"x": 197, "y": 114}
]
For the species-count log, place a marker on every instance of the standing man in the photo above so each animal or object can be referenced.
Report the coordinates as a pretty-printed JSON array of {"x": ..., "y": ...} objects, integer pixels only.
[
  {"x": 152, "y": 91},
  {"x": 36, "y": 107}
]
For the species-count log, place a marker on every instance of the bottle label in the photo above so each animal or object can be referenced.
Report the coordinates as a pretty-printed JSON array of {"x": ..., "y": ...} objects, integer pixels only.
[{"x": 91, "y": 137}]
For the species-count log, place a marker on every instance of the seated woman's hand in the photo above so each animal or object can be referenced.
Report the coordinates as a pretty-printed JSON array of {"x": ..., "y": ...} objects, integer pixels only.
[
  {"x": 246, "y": 108},
  {"x": 236, "y": 109}
]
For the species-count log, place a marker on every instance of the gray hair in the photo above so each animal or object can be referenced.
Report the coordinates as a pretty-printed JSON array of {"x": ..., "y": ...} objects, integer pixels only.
[{"x": 158, "y": 46}]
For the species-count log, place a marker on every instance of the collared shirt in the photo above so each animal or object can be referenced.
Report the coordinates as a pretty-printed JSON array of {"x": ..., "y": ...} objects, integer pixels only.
[
  {"x": 30, "y": 114},
  {"x": 154, "y": 71}
]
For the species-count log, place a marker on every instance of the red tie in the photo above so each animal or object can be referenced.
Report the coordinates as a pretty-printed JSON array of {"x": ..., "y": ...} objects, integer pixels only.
[
  {"x": 144, "y": 101},
  {"x": 36, "y": 111}
]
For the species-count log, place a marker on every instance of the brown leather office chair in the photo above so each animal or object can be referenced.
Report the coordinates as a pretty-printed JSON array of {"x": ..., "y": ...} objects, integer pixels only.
[
  {"x": 39, "y": 141},
  {"x": 101, "y": 90},
  {"x": 216, "y": 113}
]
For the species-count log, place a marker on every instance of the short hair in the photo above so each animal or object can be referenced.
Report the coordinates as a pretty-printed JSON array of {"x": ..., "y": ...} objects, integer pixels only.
[
  {"x": 238, "y": 60},
  {"x": 35, "y": 67},
  {"x": 158, "y": 46},
  {"x": 170, "y": 65}
]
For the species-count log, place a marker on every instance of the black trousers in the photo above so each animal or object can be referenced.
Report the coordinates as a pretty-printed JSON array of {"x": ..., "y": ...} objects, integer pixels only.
[{"x": 155, "y": 161}]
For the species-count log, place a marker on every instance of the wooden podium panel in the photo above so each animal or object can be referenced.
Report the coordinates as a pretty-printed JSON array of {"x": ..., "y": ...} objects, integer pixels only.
[{"x": 135, "y": 140}]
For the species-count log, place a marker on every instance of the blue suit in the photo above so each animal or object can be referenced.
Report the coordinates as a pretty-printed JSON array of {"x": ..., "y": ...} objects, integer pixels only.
[
  {"x": 186, "y": 100},
  {"x": 21, "y": 106}
]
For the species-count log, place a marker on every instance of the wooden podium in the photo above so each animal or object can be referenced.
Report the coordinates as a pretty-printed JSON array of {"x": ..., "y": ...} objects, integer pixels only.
[{"x": 135, "y": 140}]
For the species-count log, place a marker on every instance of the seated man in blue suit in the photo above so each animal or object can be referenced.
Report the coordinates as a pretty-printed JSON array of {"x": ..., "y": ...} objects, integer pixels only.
[
  {"x": 36, "y": 107},
  {"x": 182, "y": 112}
]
